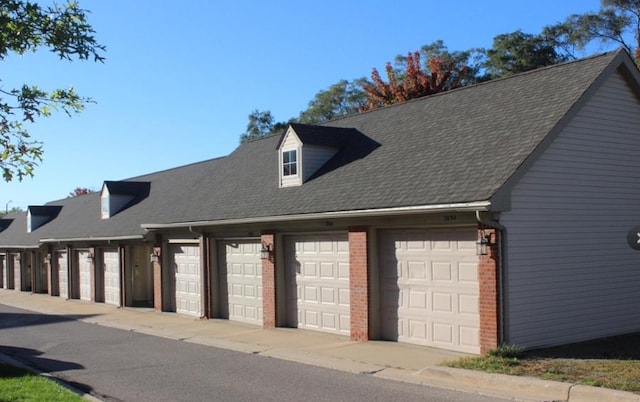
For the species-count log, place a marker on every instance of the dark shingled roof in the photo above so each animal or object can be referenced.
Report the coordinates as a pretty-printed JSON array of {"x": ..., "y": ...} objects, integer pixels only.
[{"x": 454, "y": 147}]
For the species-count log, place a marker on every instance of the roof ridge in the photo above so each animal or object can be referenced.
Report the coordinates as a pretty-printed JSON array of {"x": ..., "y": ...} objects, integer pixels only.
[{"x": 478, "y": 84}]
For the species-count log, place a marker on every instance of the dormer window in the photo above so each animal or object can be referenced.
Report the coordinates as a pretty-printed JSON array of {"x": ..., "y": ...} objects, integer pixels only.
[
  {"x": 40, "y": 215},
  {"x": 290, "y": 163},
  {"x": 119, "y": 195}
]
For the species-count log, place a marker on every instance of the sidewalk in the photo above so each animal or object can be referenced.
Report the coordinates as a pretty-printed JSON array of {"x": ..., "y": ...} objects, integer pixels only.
[{"x": 389, "y": 360}]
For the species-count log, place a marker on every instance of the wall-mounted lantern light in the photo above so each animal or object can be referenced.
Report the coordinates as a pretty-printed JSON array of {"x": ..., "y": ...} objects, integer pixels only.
[
  {"x": 154, "y": 257},
  {"x": 483, "y": 243},
  {"x": 47, "y": 258},
  {"x": 90, "y": 257},
  {"x": 265, "y": 252}
]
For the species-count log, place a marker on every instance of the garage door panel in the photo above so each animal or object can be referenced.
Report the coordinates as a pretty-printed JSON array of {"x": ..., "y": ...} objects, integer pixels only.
[
  {"x": 242, "y": 273},
  {"x": 429, "y": 288},
  {"x": 184, "y": 260},
  {"x": 84, "y": 272},
  {"x": 317, "y": 273},
  {"x": 63, "y": 269},
  {"x": 111, "y": 266}
]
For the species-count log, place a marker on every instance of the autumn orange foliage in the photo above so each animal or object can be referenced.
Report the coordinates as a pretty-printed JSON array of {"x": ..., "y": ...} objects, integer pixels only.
[{"x": 415, "y": 83}]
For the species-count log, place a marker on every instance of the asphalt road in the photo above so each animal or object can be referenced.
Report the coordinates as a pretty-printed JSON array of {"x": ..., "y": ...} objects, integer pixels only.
[{"x": 117, "y": 365}]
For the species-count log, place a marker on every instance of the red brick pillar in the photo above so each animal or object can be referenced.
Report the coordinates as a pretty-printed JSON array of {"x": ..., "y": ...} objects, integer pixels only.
[
  {"x": 359, "y": 283},
  {"x": 156, "y": 266},
  {"x": 489, "y": 306},
  {"x": 269, "y": 282},
  {"x": 92, "y": 273}
]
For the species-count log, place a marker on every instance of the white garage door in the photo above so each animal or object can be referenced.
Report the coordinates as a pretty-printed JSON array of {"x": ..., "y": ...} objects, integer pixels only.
[
  {"x": 185, "y": 263},
  {"x": 242, "y": 274},
  {"x": 84, "y": 272},
  {"x": 63, "y": 278},
  {"x": 429, "y": 288},
  {"x": 318, "y": 282},
  {"x": 111, "y": 266}
]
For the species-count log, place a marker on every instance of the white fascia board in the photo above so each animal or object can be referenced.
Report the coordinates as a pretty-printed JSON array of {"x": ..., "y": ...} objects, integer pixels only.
[
  {"x": 457, "y": 207},
  {"x": 78, "y": 239}
]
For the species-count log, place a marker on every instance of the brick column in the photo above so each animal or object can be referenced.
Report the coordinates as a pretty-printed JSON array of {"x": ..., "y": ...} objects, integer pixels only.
[
  {"x": 359, "y": 283},
  {"x": 156, "y": 266},
  {"x": 269, "y": 283},
  {"x": 489, "y": 306}
]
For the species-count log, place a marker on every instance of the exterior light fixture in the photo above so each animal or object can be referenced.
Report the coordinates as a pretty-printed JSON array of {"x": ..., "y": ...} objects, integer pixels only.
[
  {"x": 47, "y": 258},
  {"x": 265, "y": 252},
  {"x": 483, "y": 243},
  {"x": 154, "y": 257},
  {"x": 90, "y": 257}
]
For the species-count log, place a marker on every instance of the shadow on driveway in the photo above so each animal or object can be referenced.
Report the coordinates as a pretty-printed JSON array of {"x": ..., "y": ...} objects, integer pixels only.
[
  {"x": 33, "y": 358},
  {"x": 13, "y": 320},
  {"x": 624, "y": 347}
]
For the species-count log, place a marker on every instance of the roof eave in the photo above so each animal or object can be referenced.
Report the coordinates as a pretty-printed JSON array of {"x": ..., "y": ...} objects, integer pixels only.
[{"x": 409, "y": 210}]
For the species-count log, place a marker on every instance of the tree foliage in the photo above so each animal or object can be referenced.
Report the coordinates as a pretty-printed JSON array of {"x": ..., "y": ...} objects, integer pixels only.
[
  {"x": 413, "y": 82},
  {"x": 614, "y": 23},
  {"x": 339, "y": 100},
  {"x": 261, "y": 124},
  {"x": 517, "y": 52},
  {"x": 78, "y": 191},
  {"x": 28, "y": 27},
  {"x": 7, "y": 211}
]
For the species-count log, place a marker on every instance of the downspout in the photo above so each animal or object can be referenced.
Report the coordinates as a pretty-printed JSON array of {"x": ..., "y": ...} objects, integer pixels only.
[{"x": 500, "y": 276}]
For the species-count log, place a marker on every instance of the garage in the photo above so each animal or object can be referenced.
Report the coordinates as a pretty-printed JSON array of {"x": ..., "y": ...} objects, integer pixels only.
[
  {"x": 317, "y": 277},
  {"x": 429, "y": 288},
  {"x": 184, "y": 262},
  {"x": 241, "y": 280},
  {"x": 63, "y": 274},
  {"x": 84, "y": 274},
  {"x": 111, "y": 267}
]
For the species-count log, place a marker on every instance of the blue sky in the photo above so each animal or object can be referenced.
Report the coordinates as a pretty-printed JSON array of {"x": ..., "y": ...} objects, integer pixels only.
[{"x": 180, "y": 78}]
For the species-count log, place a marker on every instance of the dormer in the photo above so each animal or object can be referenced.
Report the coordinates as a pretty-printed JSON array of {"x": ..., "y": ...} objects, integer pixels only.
[
  {"x": 38, "y": 215},
  {"x": 303, "y": 149},
  {"x": 119, "y": 195},
  {"x": 5, "y": 223}
]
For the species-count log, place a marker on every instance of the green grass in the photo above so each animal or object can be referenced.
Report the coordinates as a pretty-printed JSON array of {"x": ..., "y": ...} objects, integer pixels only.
[
  {"x": 18, "y": 385},
  {"x": 623, "y": 375}
]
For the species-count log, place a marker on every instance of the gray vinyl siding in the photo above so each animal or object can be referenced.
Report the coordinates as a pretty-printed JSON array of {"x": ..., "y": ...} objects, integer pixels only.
[
  {"x": 570, "y": 274},
  {"x": 314, "y": 157}
]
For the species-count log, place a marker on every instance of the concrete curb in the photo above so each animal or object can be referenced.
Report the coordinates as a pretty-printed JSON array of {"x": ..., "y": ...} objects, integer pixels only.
[
  {"x": 12, "y": 362},
  {"x": 584, "y": 393}
]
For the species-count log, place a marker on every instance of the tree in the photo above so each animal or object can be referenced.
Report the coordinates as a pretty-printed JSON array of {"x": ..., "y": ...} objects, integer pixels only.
[
  {"x": 414, "y": 82},
  {"x": 612, "y": 24},
  {"x": 8, "y": 211},
  {"x": 517, "y": 52},
  {"x": 261, "y": 124},
  {"x": 341, "y": 99},
  {"x": 78, "y": 191},
  {"x": 28, "y": 27},
  {"x": 471, "y": 59}
]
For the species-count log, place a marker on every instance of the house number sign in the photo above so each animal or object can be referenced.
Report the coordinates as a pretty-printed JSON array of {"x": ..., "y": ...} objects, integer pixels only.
[{"x": 633, "y": 238}]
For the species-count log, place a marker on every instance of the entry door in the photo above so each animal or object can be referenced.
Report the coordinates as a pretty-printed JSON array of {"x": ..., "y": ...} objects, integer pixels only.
[
  {"x": 141, "y": 277},
  {"x": 184, "y": 261},
  {"x": 3, "y": 273},
  {"x": 63, "y": 277},
  {"x": 111, "y": 266},
  {"x": 241, "y": 280},
  {"x": 429, "y": 288},
  {"x": 317, "y": 270}
]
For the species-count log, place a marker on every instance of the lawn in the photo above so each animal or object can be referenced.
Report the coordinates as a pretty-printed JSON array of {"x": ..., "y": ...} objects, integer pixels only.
[
  {"x": 20, "y": 385},
  {"x": 610, "y": 363}
]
